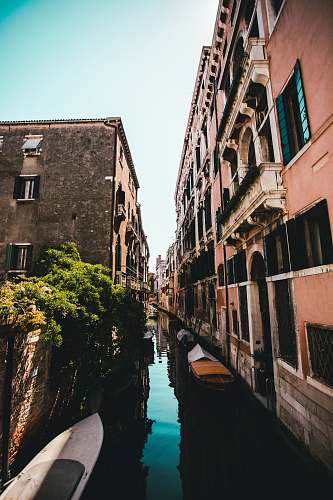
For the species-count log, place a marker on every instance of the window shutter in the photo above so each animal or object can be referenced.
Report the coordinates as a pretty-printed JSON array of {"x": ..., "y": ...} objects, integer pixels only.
[
  {"x": 282, "y": 231},
  {"x": 301, "y": 103},
  {"x": 271, "y": 257},
  {"x": 297, "y": 246},
  {"x": 36, "y": 187},
  {"x": 286, "y": 149},
  {"x": 9, "y": 253},
  {"x": 17, "y": 187},
  {"x": 29, "y": 257},
  {"x": 197, "y": 158},
  {"x": 322, "y": 216}
]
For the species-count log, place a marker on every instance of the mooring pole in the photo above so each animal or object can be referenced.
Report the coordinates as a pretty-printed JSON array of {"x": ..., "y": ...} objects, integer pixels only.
[{"x": 7, "y": 407}]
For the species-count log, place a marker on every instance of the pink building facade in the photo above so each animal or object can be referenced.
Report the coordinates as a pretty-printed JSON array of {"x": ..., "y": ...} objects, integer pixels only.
[{"x": 254, "y": 201}]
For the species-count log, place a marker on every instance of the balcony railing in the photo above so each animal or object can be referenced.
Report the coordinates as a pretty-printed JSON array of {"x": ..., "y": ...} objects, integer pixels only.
[
  {"x": 120, "y": 278},
  {"x": 260, "y": 193}
]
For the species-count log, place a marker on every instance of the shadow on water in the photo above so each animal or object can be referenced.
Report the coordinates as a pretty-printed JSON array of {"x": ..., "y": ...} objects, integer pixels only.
[{"x": 168, "y": 439}]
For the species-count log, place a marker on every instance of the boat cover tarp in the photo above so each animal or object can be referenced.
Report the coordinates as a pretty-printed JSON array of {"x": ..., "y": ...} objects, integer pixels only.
[
  {"x": 199, "y": 352},
  {"x": 202, "y": 368},
  {"x": 185, "y": 333}
]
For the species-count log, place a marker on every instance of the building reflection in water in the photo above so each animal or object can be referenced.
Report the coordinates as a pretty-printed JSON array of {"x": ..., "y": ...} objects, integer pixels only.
[{"x": 168, "y": 439}]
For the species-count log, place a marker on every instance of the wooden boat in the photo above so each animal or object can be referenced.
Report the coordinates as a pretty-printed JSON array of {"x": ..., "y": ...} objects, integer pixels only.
[
  {"x": 208, "y": 371},
  {"x": 60, "y": 471}
]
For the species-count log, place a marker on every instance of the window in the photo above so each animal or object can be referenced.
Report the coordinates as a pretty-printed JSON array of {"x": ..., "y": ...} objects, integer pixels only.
[
  {"x": 240, "y": 267},
  {"x": 121, "y": 154},
  {"x": 230, "y": 271},
  {"x": 310, "y": 238},
  {"x": 1, "y": 143},
  {"x": 197, "y": 158},
  {"x": 208, "y": 213},
  {"x": 220, "y": 273},
  {"x": 285, "y": 322},
  {"x": 32, "y": 145},
  {"x": 18, "y": 257},
  {"x": 276, "y": 249},
  {"x": 26, "y": 187},
  {"x": 200, "y": 223},
  {"x": 235, "y": 326},
  {"x": 293, "y": 117},
  {"x": 244, "y": 315},
  {"x": 320, "y": 341}
]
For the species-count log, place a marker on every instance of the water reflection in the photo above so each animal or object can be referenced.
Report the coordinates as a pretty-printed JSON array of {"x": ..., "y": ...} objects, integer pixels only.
[{"x": 168, "y": 439}]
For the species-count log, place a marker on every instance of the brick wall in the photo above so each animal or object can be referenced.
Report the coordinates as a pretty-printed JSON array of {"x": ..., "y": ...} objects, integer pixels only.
[{"x": 31, "y": 397}]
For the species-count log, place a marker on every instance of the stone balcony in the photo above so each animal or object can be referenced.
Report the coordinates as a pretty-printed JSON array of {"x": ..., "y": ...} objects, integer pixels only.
[
  {"x": 260, "y": 194},
  {"x": 253, "y": 71},
  {"x": 133, "y": 283}
]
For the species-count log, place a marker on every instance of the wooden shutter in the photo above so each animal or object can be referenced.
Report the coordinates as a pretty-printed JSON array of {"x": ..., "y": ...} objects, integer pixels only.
[
  {"x": 320, "y": 214},
  {"x": 17, "y": 187},
  {"x": 29, "y": 257},
  {"x": 285, "y": 143},
  {"x": 36, "y": 187},
  {"x": 297, "y": 246},
  {"x": 282, "y": 231},
  {"x": 240, "y": 267},
  {"x": 270, "y": 251},
  {"x": 9, "y": 254},
  {"x": 301, "y": 102}
]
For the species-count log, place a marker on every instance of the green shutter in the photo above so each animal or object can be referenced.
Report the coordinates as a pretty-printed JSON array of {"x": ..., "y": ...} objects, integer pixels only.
[
  {"x": 301, "y": 103},
  {"x": 9, "y": 253},
  {"x": 286, "y": 149},
  {"x": 29, "y": 257},
  {"x": 17, "y": 187},
  {"x": 36, "y": 187}
]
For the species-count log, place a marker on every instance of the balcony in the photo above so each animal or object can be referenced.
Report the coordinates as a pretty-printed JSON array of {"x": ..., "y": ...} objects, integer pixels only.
[
  {"x": 120, "y": 278},
  {"x": 133, "y": 283},
  {"x": 252, "y": 70},
  {"x": 260, "y": 194},
  {"x": 131, "y": 231}
]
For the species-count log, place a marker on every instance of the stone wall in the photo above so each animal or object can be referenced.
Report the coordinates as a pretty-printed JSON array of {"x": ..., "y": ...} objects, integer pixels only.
[
  {"x": 74, "y": 202},
  {"x": 308, "y": 414},
  {"x": 31, "y": 400}
]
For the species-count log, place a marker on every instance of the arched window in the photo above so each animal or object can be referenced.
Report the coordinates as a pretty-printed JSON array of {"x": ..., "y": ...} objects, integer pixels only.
[{"x": 247, "y": 151}]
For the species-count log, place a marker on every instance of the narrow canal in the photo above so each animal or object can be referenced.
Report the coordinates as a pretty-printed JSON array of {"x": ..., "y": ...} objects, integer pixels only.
[{"x": 170, "y": 440}]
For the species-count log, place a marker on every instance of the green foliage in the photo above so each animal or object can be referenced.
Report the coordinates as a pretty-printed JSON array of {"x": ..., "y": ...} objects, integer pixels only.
[
  {"x": 78, "y": 309},
  {"x": 32, "y": 304}
]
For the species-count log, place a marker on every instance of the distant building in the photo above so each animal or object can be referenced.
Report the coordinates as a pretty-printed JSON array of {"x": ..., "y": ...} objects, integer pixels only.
[
  {"x": 160, "y": 278},
  {"x": 71, "y": 180}
]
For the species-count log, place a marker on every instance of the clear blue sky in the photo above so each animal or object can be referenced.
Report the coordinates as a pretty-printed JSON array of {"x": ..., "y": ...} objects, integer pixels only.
[{"x": 131, "y": 58}]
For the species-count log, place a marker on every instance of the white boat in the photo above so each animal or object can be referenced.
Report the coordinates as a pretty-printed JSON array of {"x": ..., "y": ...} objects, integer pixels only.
[
  {"x": 60, "y": 471},
  {"x": 185, "y": 337}
]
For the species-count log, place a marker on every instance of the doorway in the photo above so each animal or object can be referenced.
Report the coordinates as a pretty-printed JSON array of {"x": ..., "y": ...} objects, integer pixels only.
[{"x": 263, "y": 357}]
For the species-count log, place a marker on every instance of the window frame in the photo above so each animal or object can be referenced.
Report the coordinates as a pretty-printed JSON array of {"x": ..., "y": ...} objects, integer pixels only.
[
  {"x": 20, "y": 189},
  {"x": 12, "y": 248}
]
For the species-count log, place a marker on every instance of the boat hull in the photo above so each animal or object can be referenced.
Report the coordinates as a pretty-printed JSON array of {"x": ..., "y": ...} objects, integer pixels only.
[{"x": 60, "y": 471}]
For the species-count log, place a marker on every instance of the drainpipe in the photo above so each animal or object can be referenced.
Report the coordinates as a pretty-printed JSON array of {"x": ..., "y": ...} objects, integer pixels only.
[
  {"x": 227, "y": 322},
  {"x": 7, "y": 406},
  {"x": 113, "y": 191}
]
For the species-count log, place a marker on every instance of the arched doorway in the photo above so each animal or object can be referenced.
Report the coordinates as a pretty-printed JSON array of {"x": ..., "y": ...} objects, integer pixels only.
[{"x": 263, "y": 356}]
